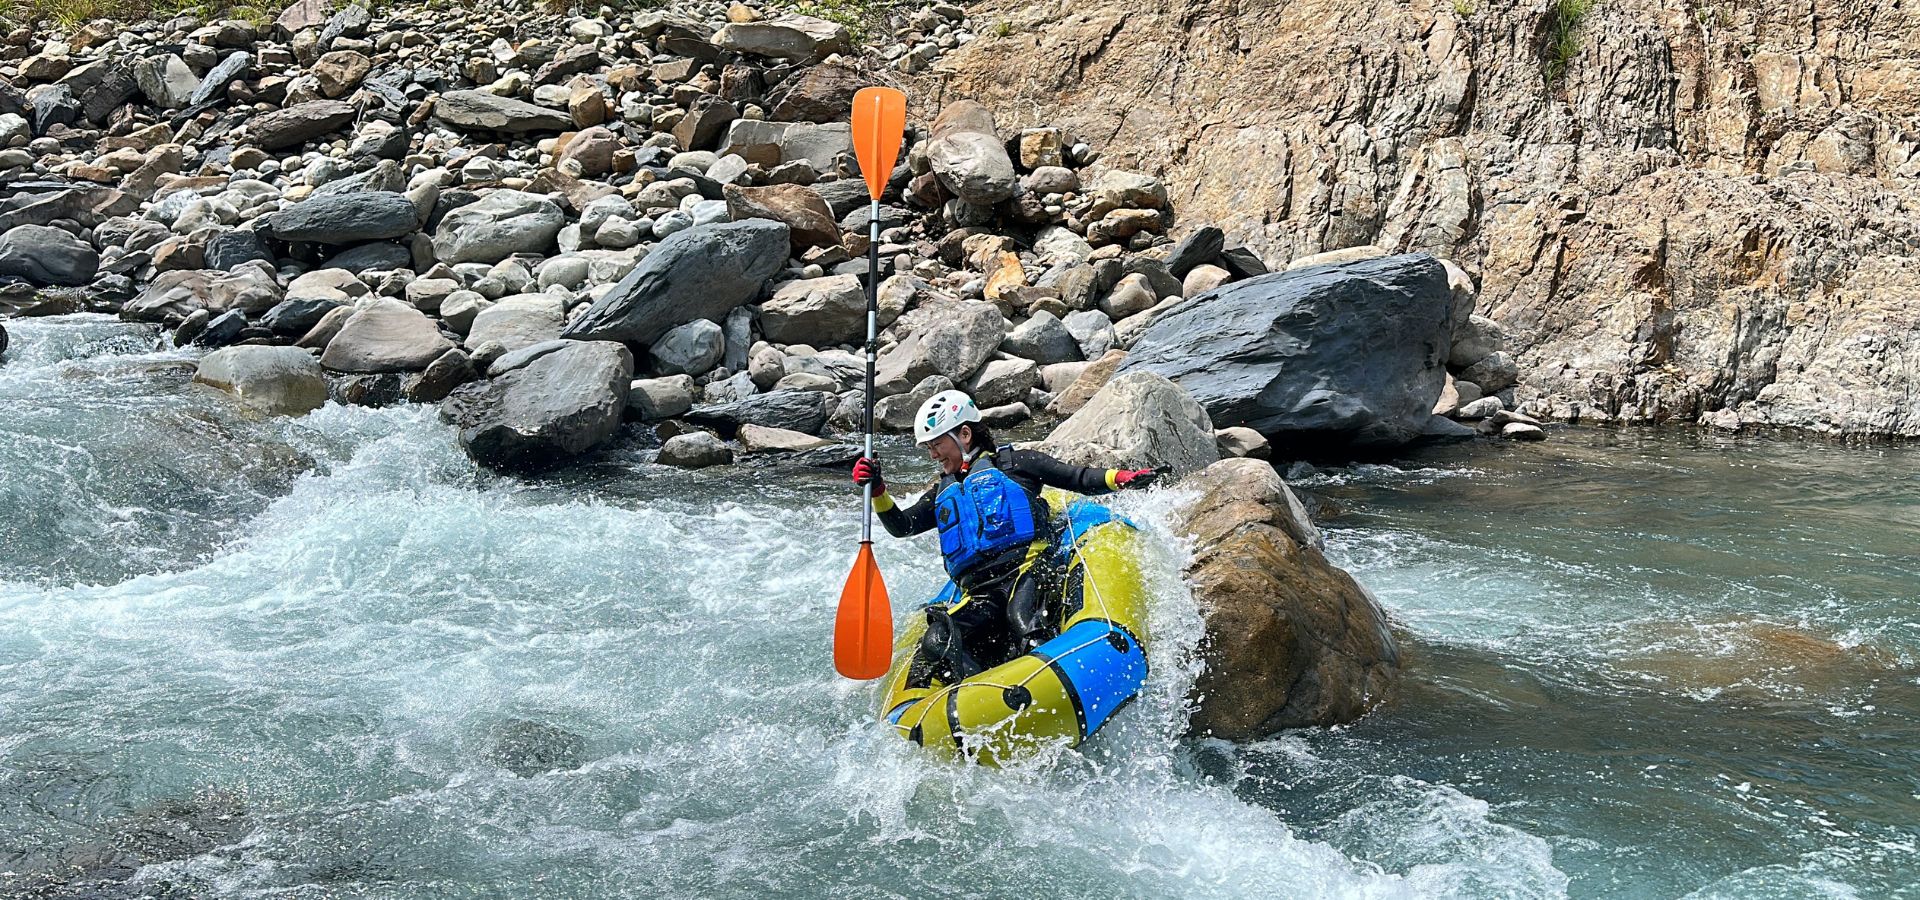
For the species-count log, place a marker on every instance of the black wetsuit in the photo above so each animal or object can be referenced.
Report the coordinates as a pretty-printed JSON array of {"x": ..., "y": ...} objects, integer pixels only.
[{"x": 1001, "y": 612}]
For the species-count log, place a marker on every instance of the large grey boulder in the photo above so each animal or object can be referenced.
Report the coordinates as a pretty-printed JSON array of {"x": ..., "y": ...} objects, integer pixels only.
[
  {"x": 345, "y": 218},
  {"x": 563, "y": 403},
  {"x": 497, "y": 226},
  {"x": 1343, "y": 356},
  {"x": 1043, "y": 339},
  {"x": 282, "y": 381},
  {"x": 385, "y": 335},
  {"x": 690, "y": 349},
  {"x": 521, "y": 320},
  {"x": 1138, "y": 419},
  {"x": 703, "y": 272},
  {"x": 1003, "y": 381},
  {"x": 481, "y": 111},
  {"x": 968, "y": 157},
  {"x": 47, "y": 256},
  {"x": 816, "y": 311},
  {"x": 802, "y": 411},
  {"x": 950, "y": 338}
]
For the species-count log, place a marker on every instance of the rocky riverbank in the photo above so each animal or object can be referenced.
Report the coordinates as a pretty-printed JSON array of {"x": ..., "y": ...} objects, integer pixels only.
[
  {"x": 461, "y": 204},
  {"x": 1685, "y": 213},
  {"x": 569, "y": 228}
]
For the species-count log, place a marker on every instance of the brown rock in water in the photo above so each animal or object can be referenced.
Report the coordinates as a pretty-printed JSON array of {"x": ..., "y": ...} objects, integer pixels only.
[{"x": 1292, "y": 641}]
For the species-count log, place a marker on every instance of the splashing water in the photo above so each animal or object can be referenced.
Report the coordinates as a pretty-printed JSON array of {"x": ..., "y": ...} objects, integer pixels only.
[{"x": 328, "y": 657}]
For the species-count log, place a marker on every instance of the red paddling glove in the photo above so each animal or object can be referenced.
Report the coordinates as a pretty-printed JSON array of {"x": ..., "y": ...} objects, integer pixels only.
[
  {"x": 867, "y": 471},
  {"x": 1133, "y": 479}
]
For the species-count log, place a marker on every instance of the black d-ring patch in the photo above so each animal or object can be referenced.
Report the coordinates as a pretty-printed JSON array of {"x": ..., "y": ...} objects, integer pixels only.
[
  {"x": 1017, "y": 697},
  {"x": 1119, "y": 641}
]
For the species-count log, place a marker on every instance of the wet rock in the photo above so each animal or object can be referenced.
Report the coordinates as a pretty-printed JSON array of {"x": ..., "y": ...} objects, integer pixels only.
[
  {"x": 1292, "y": 641},
  {"x": 438, "y": 380},
  {"x": 221, "y": 330},
  {"x": 695, "y": 450},
  {"x": 802, "y": 411},
  {"x": 282, "y": 381},
  {"x": 1139, "y": 419},
  {"x": 345, "y": 218},
  {"x": 47, "y": 256},
  {"x": 701, "y": 273},
  {"x": 759, "y": 439},
  {"x": 560, "y": 405},
  {"x": 1479, "y": 409},
  {"x": 292, "y": 318},
  {"x": 1342, "y": 356},
  {"x": 385, "y": 335},
  {"x": 968, "y": 157},
  {"x": 481, "y": 111},
  {"x": 895, "y": 413},
  {"x": 499, "y": 225},
  {"x": 816, "y": 311}
]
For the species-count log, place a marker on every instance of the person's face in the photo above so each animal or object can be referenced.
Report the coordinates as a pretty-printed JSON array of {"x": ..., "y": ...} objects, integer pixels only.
[{"x": 946, "y": 450}]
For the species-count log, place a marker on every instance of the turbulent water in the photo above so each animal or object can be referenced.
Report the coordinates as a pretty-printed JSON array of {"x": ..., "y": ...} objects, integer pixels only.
[{"x": 327, "y": 657}]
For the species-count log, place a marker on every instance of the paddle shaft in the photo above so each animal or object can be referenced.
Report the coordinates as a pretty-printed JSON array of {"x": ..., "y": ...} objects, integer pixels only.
[{"x": 873, "y": 345}]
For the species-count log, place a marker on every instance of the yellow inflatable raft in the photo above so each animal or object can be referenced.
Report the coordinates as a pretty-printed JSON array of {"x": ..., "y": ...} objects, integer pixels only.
[{"x": 1061, "y": 691}]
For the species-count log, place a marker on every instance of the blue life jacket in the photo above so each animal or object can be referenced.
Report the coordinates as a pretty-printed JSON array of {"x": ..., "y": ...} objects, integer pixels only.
[{"x": 981, "y": 516}]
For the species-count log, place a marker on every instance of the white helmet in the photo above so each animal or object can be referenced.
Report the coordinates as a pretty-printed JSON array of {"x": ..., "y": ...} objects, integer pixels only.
[{"x": 943, "y": 412}]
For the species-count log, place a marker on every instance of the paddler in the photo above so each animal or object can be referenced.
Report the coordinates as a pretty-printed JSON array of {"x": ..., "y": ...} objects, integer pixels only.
[{"x": 994, "y": 536}]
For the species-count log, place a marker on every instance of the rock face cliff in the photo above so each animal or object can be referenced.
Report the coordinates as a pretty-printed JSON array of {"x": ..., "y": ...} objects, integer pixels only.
[{"x": 1678, "y": 210}]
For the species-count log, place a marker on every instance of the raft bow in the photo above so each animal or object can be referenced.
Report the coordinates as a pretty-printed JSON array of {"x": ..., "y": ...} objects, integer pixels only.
[{"x": 1060, "y": 692}]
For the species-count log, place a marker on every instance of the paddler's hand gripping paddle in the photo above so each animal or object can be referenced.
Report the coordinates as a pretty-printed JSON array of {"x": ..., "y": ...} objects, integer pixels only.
[{"x": 863, "y": 626}]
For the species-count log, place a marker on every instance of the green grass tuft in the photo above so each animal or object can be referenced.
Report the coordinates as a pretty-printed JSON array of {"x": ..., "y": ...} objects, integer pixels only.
[{"x": 1563, "y": 36}]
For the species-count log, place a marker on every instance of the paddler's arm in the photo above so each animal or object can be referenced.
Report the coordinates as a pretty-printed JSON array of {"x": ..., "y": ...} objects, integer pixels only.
[
  {"x": 1078, "y": 479},
  {"x": 898, "y": 522},
  {"x": 904, "y": 521}
]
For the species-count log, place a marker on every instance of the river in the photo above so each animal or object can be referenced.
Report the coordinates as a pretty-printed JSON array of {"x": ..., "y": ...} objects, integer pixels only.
[{"x": 327, "y": 657}]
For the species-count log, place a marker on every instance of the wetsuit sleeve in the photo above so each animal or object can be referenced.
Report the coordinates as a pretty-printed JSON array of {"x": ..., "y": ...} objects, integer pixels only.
[
  {"x": 902, "y": 522},
  {"x": 1054, "y": 473}
]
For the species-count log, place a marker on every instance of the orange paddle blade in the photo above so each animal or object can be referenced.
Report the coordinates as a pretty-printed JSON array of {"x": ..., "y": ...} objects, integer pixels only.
[
  {"x": 879, "y": 124},
  {"x": 863, "y": 628}
]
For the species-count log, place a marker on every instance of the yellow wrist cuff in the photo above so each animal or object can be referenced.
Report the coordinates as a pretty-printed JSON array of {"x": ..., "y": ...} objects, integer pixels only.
[
  {"x": 882, "y": 502},
  {"x": 1112, "y": 474}
]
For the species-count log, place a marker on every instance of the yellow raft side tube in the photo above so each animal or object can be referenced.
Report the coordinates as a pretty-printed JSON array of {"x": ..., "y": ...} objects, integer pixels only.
[{"x": 1060, "y": 692}]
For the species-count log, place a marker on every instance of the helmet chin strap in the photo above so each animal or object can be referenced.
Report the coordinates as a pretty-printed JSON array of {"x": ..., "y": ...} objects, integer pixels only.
[{"x": 965, "y": 462}]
